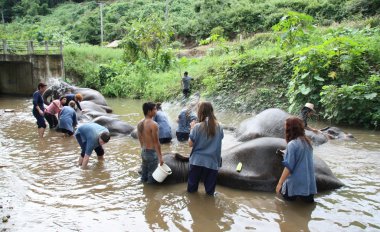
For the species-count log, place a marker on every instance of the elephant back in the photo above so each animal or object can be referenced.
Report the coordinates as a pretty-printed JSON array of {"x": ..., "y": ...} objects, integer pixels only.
[
  {"x": 268, "y": 123},
  {"x": 261, "y": 165}
]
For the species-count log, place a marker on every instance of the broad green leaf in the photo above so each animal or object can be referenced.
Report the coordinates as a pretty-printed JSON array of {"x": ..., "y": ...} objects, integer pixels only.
[
  {"x": 304, "y": 90},
  {"x": 318, "y": 78},
  {"x": 370, "y": 96}
]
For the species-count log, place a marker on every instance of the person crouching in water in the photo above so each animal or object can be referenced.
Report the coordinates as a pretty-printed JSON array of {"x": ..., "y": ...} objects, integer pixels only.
[
  {"x": 91, "y": 136},
  {"x": 53, "y": 109},
  {"x": 298, "y": 178},
  {"x": 147, "y": 131},
  {"x": 68, "y": 119},
  {"x": 205, "y": 158}
]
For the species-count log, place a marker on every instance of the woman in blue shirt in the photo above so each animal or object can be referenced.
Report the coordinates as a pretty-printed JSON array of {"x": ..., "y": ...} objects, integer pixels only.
[
  {"x": 297, "y": 179},
  {"x": 185, "y": 117},
  {"x": 68, "y": 119},
  {"x": 206, "y": 141}
]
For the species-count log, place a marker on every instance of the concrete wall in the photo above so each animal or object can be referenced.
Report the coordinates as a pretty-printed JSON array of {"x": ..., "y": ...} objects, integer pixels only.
[{"x": 20, "y": 74}]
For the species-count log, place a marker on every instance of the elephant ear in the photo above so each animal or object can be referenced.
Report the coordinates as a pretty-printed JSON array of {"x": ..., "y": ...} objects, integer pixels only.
[{"x": 183, "y": 158}]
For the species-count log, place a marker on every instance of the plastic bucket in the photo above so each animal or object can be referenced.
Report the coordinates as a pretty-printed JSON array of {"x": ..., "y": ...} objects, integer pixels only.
[{"x": 161, "y": 172}]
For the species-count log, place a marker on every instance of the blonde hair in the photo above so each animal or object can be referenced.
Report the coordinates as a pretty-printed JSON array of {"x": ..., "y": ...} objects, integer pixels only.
[{"x": 72, "y": 104}]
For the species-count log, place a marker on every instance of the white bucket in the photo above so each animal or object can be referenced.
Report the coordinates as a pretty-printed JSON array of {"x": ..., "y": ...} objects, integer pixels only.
[{"x": 161, "y": 172}]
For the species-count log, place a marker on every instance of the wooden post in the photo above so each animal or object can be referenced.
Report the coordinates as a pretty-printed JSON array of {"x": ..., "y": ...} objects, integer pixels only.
[
  {"x": 31, "y": 47},
  {"x": 61, "y": 47},
  {"x": 46, "y": 48},
  {"x": 4, "y": 47}
]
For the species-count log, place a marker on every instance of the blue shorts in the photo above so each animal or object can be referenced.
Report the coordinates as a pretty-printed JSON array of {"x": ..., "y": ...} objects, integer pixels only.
[{"x": 40, "y": 119}]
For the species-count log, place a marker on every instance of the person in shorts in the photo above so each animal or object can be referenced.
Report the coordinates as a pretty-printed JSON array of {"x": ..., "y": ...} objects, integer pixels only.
[
  {"x": 91, "y": 136},
  {"x": 38, "y": 108}
]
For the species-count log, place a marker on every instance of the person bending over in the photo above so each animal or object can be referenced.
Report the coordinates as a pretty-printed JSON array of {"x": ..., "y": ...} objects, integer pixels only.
[
  {"x": 68, "y": 119},
  {"x": 91, "y": 136}
]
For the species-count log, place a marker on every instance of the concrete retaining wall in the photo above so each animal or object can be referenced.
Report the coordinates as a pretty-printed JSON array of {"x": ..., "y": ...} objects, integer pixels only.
[{"x": 20, "y": 74}]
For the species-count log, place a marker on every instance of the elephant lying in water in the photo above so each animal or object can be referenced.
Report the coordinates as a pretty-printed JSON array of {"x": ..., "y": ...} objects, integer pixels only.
[
  {"x": 261, "y": 170},
  {"x": 270, "y": 123},
  {"x": 61, "y": 88},
  {"x": 94, "y": 107}
]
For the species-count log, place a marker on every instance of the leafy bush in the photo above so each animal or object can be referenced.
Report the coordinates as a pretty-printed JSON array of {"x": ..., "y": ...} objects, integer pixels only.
[
  {"x": 293, "y": 28},
  {"x": 357, "y": 104},
  {"x": 339, "y": 60}
]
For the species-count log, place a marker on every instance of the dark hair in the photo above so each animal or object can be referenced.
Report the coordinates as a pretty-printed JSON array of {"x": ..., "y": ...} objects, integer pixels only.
[
  {"x": 105, "y": 136},
  {"x": 148, "y": 106},
  {"x": 60, "y": 99},
  {"x": 158, "y": 106},
  {"x": 205, "y": 110},
  {"x": 41, "y": 85},
  {"x": 294, "y": 128},
  {"x": 186, "y": 73}
]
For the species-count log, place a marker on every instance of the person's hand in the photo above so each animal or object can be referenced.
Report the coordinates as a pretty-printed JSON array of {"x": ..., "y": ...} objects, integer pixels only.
[
  {"x": 316, "y": 131},
  {"x": 192, "y": 124},
  {"x": 161, "y": 162},
  {"x": 278, "y": 188},
  {"x": 41, "y": 112}
]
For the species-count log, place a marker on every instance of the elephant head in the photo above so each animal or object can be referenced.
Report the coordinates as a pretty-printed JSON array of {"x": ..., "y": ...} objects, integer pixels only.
[{"x": 60, "y": 88}]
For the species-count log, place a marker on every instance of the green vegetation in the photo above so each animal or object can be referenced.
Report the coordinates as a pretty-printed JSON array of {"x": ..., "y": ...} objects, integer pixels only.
[{"x": 320, "y": 51}]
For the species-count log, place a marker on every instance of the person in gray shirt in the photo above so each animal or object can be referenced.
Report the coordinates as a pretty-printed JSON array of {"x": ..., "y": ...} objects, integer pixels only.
[{"x": 186, "y": 84}]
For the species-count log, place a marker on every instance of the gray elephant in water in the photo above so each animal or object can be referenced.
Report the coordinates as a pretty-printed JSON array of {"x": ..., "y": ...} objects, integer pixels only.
[
  {"x": 114, "y": 125},
  {"x": 270, "y": 123},
  {"x": 94, "y": 107},
  {"x": 61, "y": 88},
  {"x": 261, "y": 169}
]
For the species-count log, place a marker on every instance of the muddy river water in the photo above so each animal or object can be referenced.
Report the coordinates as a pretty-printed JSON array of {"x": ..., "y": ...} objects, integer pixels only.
[{"x": 42, "y": 188}]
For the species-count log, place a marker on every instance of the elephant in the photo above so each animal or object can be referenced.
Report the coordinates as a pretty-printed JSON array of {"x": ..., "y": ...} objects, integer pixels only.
[
  {"x": 61, "y": 88},
  {"x": 261, "y": 168},
  {"x": 114, "y": 125},
  {"x": 92, "y": 106},
  {"x": 271, "y": 123}
]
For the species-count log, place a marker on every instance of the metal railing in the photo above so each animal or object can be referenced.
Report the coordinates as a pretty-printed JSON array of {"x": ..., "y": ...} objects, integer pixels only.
[{"x": 30, "y": 47}]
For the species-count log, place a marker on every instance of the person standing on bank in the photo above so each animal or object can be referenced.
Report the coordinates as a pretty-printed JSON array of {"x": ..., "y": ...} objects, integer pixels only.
[
  {"x": 91, "y": 136},
  {"x": 164, "y": 129},
  {"x": 53, "y": 109},
  {"x": 206, "y": 142},
  {"x": 38, "y": 108},
  {"x": 186, "y": 84},
  {"x": 147, "y": 131},
  {"x": 68, "y": 119},
  {"x": 298, "y": 178},
  {"x": 306, "y": 112},
  {"x": 74, "y": 97}
]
